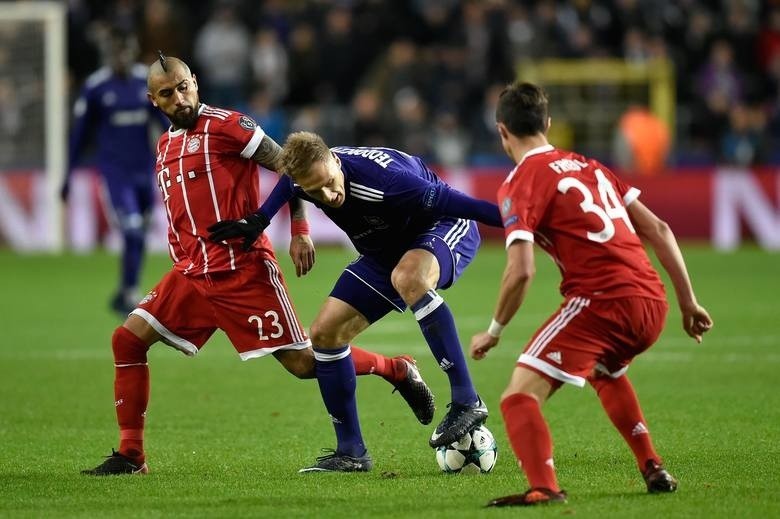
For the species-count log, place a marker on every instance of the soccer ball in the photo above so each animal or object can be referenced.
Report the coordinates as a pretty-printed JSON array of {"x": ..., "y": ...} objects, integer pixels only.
[{"x": 476, "y": 452}]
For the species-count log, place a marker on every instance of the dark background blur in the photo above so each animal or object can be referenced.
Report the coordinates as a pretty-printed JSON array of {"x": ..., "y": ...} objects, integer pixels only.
[{"x": 422, "y": 75}]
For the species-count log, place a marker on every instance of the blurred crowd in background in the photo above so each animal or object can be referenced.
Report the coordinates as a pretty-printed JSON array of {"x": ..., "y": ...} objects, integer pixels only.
[{"x": 424, "y": 75}]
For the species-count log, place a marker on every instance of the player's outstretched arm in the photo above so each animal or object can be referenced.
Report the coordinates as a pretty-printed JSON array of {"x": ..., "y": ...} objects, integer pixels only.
[
  {"x": 451, "y": 202},
  {"x": 518, "y": 274},
  {"x": 696, "y": 320},
  {"x": 250, "y": 226},
  {"x": 84, "y": 115}
]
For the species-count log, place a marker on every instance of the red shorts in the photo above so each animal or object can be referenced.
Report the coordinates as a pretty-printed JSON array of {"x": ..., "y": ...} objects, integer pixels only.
[
  {"x": 250, "y": 305},
  {"x": 586, "y": 335}
]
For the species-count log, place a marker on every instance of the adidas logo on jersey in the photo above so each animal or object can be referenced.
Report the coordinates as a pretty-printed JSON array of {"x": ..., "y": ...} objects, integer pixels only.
[{"x": 554, "y": 356}]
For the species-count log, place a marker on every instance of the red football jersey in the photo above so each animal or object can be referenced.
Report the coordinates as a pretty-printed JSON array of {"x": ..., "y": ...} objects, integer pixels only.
[
  {"x": 575, "y": 209},
  {"x": 206, "y": 175}
]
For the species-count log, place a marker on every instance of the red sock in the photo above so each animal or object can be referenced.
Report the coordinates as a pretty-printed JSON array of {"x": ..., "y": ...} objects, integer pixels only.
[
  {"x": 622, "y": 406},
  {"x": 530, "y": 439},
  {"x": 131, "y": 391},
  {"x": 370, "y": 363}
]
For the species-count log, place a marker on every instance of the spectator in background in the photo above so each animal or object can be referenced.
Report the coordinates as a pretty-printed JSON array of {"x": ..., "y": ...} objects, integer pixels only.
[
  {"x": 434, "y": 20},
  {"x": 159, "y": 30},
  {"x": 10, "y": 120},
  {"x": 274, "y": 14},
  {"x": 410, "y": 122},
  {"x": 83, "y": 54},
  {"x": 124, "y": 14},
  {"x": 271, "y": 117},
  {"x": 741, "y": 31},
  {"x": 332, "y": 45},
  {"x": 718, "y": 86},
  {"x": 450, "y": 143},
  {"x": 642, "y": 142},
  {"x": 399, "y": 67},
  {"x": 270, "y": 63},
  {"x": 521, "y": 31},
  {"x": 549, "y": 36},
  {"x": 113, "y": 106},
  {"x": 337, "y": 51},
  {"x": 769, "y": 39},
  {"x": 691, "y": 50},
  {"x": 634, "y": 46},
  {"x": 482, "y": 125},
  {"x": 447, "y": 89},
  {"x": 720, "y": 74},
  {"x": 222, "y": 55},
  {"x": 743, "y": 144},
  {"x": 304, "y": 72},
  {"x": 369, "y": 128}
]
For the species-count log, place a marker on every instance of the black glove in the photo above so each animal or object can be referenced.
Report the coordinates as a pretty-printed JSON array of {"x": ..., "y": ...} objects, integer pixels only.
[
  {"x": 65, "y": 191},
  {"x": 248, "y": 228}
]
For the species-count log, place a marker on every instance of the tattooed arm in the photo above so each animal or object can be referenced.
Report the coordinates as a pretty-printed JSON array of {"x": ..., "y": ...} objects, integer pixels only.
[{"x": 267, "y": 154}]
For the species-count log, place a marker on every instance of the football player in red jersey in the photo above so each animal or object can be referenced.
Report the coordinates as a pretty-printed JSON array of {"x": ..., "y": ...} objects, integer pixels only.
[
  {"x": 207, "y": 172},
  {"x": 592, "y": 225}
]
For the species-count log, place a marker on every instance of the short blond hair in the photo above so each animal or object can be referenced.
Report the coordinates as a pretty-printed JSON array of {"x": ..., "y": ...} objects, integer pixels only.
[{"x": 300, "y": 151}]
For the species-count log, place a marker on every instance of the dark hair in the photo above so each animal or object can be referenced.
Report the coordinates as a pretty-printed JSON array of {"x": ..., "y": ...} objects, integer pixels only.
[{"x": 522, "y": 107}]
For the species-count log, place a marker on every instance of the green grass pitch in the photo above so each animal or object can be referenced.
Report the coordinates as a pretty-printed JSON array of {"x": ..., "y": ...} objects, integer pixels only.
[{"x": 225, "y": 438}]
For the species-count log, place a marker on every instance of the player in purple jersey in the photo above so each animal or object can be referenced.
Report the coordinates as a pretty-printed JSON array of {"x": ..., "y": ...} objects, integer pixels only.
[
  {"x": 415, "y": 234},
  {"x": 112, "y": 107}
]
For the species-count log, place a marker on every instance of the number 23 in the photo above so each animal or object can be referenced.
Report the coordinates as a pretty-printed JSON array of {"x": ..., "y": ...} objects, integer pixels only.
[
  {"x": 274, "y": 324},
  {"x": 613, "y": 209}
]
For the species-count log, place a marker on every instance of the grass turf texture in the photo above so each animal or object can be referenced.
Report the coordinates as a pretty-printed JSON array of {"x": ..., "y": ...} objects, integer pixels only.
[{"x": 225, "y": 438}]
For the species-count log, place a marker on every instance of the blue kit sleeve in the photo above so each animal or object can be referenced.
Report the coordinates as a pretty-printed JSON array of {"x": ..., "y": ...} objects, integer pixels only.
[
  {"x": 281, "y": 194},
  {"x": 442, "y": 199},
  {"x": 84, "y": 113}
]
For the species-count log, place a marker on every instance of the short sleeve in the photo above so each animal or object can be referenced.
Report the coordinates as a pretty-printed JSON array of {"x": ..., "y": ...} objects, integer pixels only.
[
  {"x": 627, "y": 193},
  {"x": 523, "y": 201},
  {"x": 241, "y": 134}
]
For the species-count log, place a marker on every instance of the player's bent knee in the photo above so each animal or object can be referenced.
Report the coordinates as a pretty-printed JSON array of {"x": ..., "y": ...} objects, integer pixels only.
[
  {"x": 127, "y": 347},
  {"x": 327, "y": 336},
  {"x": 409, "y": 284}
]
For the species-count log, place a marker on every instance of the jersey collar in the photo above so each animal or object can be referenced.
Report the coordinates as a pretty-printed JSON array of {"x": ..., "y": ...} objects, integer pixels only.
[{"x": 536, "y": 151}]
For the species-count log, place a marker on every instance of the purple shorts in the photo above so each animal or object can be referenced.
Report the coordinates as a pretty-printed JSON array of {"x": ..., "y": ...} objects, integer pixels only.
[{"x": 365, "y": 283}]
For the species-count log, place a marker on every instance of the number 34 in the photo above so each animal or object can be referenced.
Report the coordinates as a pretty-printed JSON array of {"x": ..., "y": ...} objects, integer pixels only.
[
  {"x": 272, "y": 322},
  {"x": 612, "y": 210}
]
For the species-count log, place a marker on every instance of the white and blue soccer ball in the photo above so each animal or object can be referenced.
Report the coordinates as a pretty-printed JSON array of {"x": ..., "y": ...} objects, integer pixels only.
[{"x": 475, "y": 453}]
